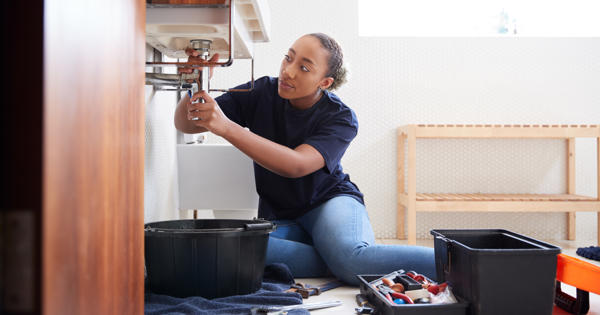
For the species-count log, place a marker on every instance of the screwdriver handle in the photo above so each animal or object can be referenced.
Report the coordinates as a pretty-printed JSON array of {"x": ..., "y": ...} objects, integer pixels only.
[{"x": 361, "y": 300}]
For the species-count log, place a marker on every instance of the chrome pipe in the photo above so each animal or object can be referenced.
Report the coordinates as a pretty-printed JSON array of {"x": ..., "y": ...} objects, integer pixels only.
[{"x": 153, "y": 78}]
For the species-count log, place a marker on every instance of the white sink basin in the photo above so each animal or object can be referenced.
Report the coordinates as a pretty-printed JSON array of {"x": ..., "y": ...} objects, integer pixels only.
[{"x": 169, "y": 28}]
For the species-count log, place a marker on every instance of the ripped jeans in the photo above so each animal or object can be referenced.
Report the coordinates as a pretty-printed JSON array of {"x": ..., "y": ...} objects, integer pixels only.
[{"x": 336, "y": 239}]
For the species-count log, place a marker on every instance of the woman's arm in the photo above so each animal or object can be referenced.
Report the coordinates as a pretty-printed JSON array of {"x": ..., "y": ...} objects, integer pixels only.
[{"x": 279, "y": 159}]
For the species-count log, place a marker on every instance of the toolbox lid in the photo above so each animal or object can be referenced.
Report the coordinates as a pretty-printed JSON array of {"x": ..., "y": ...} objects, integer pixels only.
[{"x": 494, "y": 242}]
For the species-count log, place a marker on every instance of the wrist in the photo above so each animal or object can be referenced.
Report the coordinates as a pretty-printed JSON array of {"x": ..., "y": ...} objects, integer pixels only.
[{"x": 228, "y": 129}]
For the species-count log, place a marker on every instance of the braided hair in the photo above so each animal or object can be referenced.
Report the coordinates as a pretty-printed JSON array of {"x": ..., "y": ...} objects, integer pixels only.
[{"x": 335, "y": 64}]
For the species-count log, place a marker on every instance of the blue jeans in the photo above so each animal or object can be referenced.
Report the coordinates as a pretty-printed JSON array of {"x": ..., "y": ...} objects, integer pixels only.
[{"x": 336, "y": 238}]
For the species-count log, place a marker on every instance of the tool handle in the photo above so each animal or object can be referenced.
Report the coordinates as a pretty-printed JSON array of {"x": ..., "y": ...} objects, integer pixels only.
[
  {"x": 258, "y": 226},
  {"x": 361, "y": 300}
]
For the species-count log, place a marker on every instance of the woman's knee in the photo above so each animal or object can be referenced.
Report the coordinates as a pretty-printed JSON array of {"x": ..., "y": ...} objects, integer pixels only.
[{"x": 346, "y": 265}]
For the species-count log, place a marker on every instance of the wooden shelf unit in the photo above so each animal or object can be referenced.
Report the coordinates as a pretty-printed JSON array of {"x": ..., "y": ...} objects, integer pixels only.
[{"x": 409, "y": 201}]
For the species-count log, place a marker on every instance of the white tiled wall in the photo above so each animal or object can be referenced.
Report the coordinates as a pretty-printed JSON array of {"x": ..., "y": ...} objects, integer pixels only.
[
  {"x": 397, "y": 81},
  {"x": 160, "y": 169}
]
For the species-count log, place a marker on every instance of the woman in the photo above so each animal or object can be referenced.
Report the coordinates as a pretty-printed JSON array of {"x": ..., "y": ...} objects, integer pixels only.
[{"x": 297, "y": 134}]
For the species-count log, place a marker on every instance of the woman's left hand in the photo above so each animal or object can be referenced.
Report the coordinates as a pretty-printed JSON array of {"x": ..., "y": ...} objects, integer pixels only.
[
  {"x": 194, "y": 58},
  {"x": 209, "y": 114}
]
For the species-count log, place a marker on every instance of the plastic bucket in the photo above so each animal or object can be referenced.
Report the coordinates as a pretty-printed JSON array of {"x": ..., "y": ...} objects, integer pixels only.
[{"x": 208, "y": 258}]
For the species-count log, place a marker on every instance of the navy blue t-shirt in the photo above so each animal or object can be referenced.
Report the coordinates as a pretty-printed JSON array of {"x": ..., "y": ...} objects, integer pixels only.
[{"x": 329, "y": 126}]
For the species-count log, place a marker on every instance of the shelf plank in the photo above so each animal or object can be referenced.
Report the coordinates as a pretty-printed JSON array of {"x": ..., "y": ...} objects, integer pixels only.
[
  {"x": 507, "y": 206},
  {"x": 505, "y": 202},
  {"x": 502, "y": 197},
  {"x": 504, "y": 131}
]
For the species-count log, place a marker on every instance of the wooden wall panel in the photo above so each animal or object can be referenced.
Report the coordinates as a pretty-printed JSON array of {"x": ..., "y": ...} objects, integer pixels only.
[{"x": 92, "y": 221}]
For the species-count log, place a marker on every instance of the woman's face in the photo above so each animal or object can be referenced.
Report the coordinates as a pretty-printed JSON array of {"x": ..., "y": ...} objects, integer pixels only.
[{"x": 303, "y": 71}]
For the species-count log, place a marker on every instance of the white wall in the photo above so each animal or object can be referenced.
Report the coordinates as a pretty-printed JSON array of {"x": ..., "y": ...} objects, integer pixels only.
[
  {"x": 160, "y": 160},
  {"x": 397, "y": 81}
]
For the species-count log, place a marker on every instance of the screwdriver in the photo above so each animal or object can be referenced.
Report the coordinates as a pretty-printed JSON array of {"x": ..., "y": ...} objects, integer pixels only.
[{"x": 363, "y": 305}]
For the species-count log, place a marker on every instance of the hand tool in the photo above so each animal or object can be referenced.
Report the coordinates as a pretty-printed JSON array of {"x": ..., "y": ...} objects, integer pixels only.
[
  {"x": 363, "y": 305},
  {"x": 307, "y": 290},
  {"x": 403, "y": 297},
  {"x": 398, "y": 287},
  {"x": 282, "y": 310},
  {"x": 408, "y": 282},
  {"x": 386, "y": 292}
]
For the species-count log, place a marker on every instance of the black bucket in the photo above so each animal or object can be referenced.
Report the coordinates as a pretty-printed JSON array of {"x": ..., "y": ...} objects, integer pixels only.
[{"x": 208, "y": 258}]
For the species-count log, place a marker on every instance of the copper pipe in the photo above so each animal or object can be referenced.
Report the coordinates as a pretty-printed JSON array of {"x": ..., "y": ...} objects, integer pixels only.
[
  {"x": 172, "y": 79},
  {"x": 238, "y": 90}
]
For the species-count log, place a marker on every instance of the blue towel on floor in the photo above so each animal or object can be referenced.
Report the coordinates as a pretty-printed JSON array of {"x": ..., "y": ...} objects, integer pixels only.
[
  {"x": 277, "y": 278},
  {"x": 591, "y": 252}
]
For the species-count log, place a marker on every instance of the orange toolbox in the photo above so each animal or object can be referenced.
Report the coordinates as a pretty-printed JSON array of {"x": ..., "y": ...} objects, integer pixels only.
[{"x": 581, "y": 275}]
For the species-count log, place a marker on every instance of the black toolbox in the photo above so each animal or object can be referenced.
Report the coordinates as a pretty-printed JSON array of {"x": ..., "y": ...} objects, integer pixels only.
[
  {"x": 498, "y": 272},
  {"x": 385, "y": 307}
]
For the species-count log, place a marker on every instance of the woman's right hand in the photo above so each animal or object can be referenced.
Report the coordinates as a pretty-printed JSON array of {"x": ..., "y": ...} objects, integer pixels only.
[{"x": 207, "y": 114}]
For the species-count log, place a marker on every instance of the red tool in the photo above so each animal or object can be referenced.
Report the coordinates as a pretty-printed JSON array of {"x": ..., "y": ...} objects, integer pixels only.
[
  {"x": 387, "y": 282},
  {"x": 390, "y": 295},
  {"x": 418, "y": 277},
  {"x": 398, "y": 287},
  {"x": 437, "y": 288},
  {"x": 402, "y": 296}
]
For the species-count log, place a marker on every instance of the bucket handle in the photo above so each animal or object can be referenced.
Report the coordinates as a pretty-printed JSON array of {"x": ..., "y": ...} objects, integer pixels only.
[{"x": 258, "y": 226}]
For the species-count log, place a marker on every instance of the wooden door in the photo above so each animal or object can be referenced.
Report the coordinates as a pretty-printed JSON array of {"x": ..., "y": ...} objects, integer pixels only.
[{"x": 93, "y": 157}]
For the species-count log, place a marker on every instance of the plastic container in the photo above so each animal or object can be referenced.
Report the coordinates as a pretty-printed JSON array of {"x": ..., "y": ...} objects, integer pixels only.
[
  {"x": 580, "y": 274},
  {"x": 497, "y": 271},
  {"x": 208, "y": 258},
  {"x": 384, "y": 307}
]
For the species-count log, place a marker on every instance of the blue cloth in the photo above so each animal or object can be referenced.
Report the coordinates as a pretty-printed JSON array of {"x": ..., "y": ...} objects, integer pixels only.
[
  {"x": 590, "y": 252},
  {"x": 329, "y": 126},
  {"x": 277, "y": 278},
  {"x": 337, "y": 238}
]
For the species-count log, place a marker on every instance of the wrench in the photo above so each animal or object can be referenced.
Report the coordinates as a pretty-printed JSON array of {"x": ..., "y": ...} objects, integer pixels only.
[{"x": 277, "y": 310}]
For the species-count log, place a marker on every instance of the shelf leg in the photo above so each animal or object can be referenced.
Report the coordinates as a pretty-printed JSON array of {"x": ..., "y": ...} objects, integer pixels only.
[
  {"x": 401, "y": 214},
  {"x": 571, "y": 217},
  {"x": 598, "y": 188},
  {"x": 412, "y": 187},
  {"x": 400, "y": 210}
]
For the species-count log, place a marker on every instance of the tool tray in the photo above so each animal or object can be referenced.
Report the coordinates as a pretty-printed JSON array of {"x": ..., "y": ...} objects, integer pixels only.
[{"x": 384, "y": 307}]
